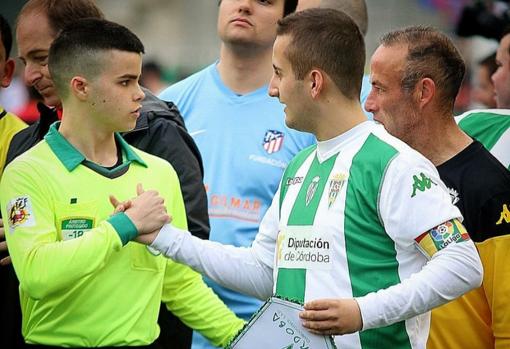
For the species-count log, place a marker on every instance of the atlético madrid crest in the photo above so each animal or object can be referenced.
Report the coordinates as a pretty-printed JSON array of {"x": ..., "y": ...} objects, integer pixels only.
[{"x": 273, "y": 141}]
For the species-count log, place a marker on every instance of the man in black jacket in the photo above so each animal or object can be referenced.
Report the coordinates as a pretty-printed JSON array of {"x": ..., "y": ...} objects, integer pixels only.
[{"x": 159, "y": 131}]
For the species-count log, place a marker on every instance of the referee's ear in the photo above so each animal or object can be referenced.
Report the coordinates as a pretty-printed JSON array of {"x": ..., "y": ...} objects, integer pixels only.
[{"x": 79, "y": 87}]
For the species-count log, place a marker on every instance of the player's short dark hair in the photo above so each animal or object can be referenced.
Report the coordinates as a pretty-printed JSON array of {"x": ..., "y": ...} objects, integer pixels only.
[
  {"x": 80, "y": 46},
  {"x": 6, "y": 35},
  {"x": 328, "y": 40}
]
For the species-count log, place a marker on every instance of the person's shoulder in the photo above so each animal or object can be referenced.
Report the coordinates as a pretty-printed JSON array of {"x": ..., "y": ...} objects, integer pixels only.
[
  {"x": 482, "y": 164},
  {"x": 171, "y": 92},
  {"x": 13, "y": 122},
  {"x": 152, "y": 162},
  {"x": 34, "y": 159},
  {"x": 482, "y": 113},
  {"x": 403, "y": 154}
]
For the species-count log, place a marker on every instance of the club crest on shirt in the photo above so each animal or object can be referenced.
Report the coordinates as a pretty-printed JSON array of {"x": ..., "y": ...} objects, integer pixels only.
[
  {"x": 336, "y": 184},
  {"x": 273, "y": 141},
  {"x": 312, "y": 188},
  {"x": 20, "y": 213}
]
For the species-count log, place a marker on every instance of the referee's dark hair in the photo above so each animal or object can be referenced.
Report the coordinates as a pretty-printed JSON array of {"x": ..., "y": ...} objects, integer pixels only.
[
  {"x": 80, "y": 46},
  {"x": 289, "y": 6},
  {"x": 6, "y": 35}
]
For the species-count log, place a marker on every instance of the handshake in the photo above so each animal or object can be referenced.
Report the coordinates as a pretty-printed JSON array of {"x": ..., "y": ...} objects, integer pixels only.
[{"x": 147, "y": 211}]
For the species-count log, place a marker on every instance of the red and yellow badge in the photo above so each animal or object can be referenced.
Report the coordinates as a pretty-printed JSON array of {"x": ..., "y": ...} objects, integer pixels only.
[
  {"x": 20, "y": 213},
  {"x": 441, "y": 236}
]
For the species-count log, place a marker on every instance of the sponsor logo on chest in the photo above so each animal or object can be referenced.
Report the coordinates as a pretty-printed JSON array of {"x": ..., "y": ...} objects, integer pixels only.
[{"x": 301, "y": 247}]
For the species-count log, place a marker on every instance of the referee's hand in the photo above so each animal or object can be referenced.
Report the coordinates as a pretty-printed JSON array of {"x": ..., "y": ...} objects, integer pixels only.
[{"x": 147, "y": 211}]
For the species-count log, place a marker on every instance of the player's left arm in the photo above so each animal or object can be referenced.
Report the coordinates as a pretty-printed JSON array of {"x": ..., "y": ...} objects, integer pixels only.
[
  {"x": 414, "y": 205},
  {"x": 418, "y": 215}
]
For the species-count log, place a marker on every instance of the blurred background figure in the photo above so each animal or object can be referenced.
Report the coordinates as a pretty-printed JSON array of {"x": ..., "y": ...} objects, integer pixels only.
[
  {"x": 152, "y": 77},
  {"x": 483, "y": 95}
]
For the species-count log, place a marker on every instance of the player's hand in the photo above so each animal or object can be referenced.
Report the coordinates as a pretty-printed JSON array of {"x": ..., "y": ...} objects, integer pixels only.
[
  {"x": 148, "y": 239},
  {"x": 3, "y": 245},
  {"x": 332, "y": 316},
  {"x": 119, "y": 206},
  {"x": 147, "y": 211}
]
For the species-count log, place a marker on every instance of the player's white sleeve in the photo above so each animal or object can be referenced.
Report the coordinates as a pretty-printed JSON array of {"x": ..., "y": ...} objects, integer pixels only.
[
  {"x": 413, "y": 201},
  {"x": 247, "y": 270},
  {"x": 449, "y": 274}
]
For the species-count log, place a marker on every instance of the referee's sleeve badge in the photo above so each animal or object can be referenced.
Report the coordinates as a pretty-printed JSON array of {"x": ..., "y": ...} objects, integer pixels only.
[{"x": 20, "y": 213}]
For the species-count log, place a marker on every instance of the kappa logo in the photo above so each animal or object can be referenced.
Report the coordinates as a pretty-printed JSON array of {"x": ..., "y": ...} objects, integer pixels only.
[
  {"x": 294, "y": 180},
  {"x": 454, "y": 195},
  {"x": 421, "y": 183},
  {"x": 312, "y": 188},
  {"x": 20, "y": 213},
  {"x": 336, "y": 184},
  {"x": 505, "y": 215}
]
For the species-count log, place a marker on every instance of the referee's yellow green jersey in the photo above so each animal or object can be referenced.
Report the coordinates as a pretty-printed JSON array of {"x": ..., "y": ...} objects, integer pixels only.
[
  {"x": 82, "y": 283},
  {"x": 10, "y": 124}
]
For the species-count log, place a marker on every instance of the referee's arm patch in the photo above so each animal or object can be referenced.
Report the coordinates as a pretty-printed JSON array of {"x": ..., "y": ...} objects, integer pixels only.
[
  {"x": 439, "y": 237},
  {"x": 20, "y": 213}
]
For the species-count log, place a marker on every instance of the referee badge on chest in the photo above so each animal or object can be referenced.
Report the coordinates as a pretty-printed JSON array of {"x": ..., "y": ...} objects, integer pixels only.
[{"x": 75, "y": 227}]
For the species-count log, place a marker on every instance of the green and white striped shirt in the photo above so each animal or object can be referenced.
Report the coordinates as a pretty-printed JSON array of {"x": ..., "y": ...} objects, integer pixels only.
[
  {"x": 491, "y": 127},
  {"x": 345, "y": 223}
]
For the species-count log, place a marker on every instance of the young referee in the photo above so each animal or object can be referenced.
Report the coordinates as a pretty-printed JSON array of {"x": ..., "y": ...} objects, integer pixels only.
[{"x": 83, "y": 282}]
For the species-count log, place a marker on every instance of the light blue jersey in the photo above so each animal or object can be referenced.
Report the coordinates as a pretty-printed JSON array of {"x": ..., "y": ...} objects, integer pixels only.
[
  {"x": 245, "y": 146},
  {"x": 366, "y": 87}
]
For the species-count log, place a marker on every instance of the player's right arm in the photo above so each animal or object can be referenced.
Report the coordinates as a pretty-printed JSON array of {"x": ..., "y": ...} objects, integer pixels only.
[
  {"x": 247, "y": 270},
  {"x": 43, "y": 263}
]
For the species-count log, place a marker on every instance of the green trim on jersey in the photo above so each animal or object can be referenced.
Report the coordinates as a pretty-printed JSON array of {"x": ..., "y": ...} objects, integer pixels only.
[
  {"x": 292, "y": 168},
  {"x": 291, "y": 283},
  {"x": 71, "y": 157},
  {"x": 371, "y": 269},
  {"x": 79, "y": 287},
  {"x": 487, "y": 128},
  {"x": 124, "y": 226}
]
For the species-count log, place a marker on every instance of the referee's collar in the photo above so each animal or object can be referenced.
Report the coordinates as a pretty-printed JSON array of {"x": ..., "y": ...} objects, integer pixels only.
[{"x": 71, "y": 157}]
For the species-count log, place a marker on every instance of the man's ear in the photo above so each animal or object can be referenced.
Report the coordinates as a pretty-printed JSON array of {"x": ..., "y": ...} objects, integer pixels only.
[
  {"x": 8, "y": 72},
  {"x": 425, "y": 91},
  {"x": 316, "y": 82},
  {"x": 80, "y": 87}
]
